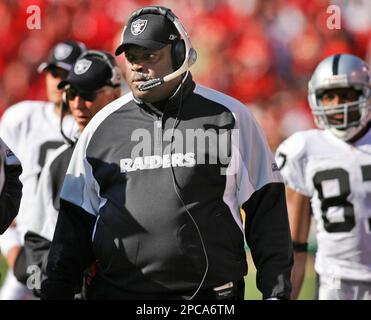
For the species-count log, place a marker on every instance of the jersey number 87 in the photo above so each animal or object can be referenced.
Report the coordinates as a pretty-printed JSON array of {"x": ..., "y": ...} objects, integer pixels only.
[{"x": 339, "y": 200}]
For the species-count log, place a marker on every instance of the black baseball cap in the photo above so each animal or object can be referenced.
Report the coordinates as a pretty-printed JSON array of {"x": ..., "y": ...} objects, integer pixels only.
[
  {"x": 89, "y": 74},
  {"x": 152, "y": 31},
  {"x": 63, "y": 55}
]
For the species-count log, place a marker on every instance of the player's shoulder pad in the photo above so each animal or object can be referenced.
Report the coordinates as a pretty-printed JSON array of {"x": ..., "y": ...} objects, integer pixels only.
[
  {"x": 295, "y": 147},
  {"x": 19, "y": 112}
]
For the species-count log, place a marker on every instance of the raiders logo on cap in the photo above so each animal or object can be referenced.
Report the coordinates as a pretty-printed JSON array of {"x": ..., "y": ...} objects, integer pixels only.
[
  {"x": 62, "y": 51},
  {"x": 82, "y": 66},
  {"x": 138, "y": 26}
]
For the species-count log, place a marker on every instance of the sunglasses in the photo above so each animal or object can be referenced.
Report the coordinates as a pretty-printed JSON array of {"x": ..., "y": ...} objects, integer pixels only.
[
  {"x": 58, "y": 73},
  {"x": 72, "y": 93}
]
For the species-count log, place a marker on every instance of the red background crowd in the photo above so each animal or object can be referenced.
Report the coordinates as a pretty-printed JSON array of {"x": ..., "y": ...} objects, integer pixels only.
[{"x": 260, "y": 52}]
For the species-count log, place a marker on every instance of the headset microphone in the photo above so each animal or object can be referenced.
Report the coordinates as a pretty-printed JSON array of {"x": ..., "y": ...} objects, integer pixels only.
[{"x": 150, "y": 84}]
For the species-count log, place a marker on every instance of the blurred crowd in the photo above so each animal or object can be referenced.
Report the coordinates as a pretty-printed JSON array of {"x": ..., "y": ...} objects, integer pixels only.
[{"x": 261, "y": 52}]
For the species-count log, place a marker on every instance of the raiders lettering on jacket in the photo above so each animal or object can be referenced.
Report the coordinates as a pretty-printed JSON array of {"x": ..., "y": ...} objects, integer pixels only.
[{"x": 154, "y": 162}]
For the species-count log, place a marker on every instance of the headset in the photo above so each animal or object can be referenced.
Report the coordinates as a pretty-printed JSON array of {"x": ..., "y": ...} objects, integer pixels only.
[
  {"x": 183, "y": 56},
  {"x": 178, "y": 192},
  {"x": 64, "y": 111},
  {"x": 116, "y": 78},
  {"x": 182, "y": 53},
  {"x": 116, "y": 75}
]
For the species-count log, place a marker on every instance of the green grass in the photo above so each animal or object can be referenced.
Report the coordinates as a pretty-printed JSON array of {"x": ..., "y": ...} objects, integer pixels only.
[
  {"x": 307, "y": 291},
  {"x": 3, "y": 269}
]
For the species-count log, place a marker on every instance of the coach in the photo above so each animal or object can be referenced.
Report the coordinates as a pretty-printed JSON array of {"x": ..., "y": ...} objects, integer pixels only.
[{"x": 156, "y": 206}]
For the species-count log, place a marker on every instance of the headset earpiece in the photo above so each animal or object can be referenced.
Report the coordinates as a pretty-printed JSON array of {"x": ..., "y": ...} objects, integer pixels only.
[{"x": 178, "y": 53}]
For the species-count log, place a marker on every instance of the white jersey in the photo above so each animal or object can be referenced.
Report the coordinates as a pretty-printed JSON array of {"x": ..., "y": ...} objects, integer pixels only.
[
  {"x": 337, "y": 177},
  {"x": 32, "y": 130},
  {"x": 45, "y": 211}
]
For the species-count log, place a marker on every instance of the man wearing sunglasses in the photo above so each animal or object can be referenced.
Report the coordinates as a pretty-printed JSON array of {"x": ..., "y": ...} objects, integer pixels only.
[
  {"x": 31, "y": 130},
  {"x": 85, "y": 104},
  {"x": 94, "y": 82}
]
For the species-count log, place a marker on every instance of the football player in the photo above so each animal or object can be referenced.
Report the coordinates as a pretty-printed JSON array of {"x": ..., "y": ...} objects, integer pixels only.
[
  {"x": 329, "y": 170},
  {"x": 31, "y": 130}
]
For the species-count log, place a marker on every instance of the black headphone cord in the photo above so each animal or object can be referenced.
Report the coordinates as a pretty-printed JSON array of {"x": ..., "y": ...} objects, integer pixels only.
[
  {"x": 181, "y": 199},
  {"x": 64, "y": 106}
]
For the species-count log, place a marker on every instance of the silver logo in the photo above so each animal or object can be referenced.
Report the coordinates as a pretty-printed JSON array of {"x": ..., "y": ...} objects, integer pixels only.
[
  {"x": 82, "y": 66},
  {"x": 138, "y": 26},
  {"x": 62, "y": 51}
]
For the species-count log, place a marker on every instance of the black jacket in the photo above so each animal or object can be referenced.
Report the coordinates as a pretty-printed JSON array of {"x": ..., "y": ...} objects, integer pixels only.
[
  {"x": 10, "y": 197},
  {"x": 149, "y": 215}
]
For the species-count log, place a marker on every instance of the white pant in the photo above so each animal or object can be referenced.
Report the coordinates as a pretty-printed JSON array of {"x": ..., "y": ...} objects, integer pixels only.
[
  {"x": 12, "y": 289},
  {"x": 341, "y": 289}
]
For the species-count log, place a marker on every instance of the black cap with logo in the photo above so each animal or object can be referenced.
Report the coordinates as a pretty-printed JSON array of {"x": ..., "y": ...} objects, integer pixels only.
[
  {"x": 63, "y": 55},
  {"x": 90, "y": 73},
  {"x": 150, "y": 31}
]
